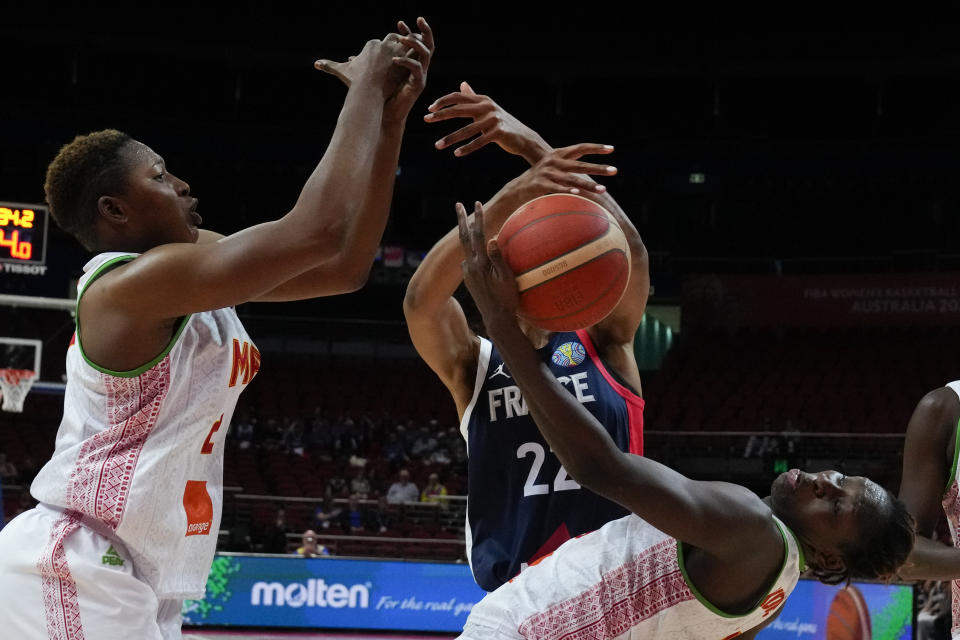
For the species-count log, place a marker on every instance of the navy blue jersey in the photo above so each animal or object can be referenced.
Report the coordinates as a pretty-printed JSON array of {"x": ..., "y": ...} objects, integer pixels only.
[{"x": 521, "y": 504}]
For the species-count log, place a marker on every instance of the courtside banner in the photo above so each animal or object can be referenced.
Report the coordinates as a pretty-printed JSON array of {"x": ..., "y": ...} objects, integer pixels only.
[
  {"x": 863, "y": 611},
  {"x": 892, "y": 300},
  {"x": 257, "y": 591}
]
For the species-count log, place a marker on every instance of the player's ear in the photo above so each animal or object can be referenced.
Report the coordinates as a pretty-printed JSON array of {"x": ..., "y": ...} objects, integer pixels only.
[
  {"x": 108, "y": 207},
  {"x": 829, "y": 567}
]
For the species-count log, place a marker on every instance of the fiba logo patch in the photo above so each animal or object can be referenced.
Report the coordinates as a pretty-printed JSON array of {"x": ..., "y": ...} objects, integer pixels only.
[{"x": 569, "y": 354}]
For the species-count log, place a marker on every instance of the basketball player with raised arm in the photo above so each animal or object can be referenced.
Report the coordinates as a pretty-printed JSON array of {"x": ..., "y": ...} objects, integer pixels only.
[
  {"x": 930, "y": 486},
  {"x": 694, "y": 559},
  {"x": 522, "y": 504},
  {"x": 130, "y": 502}
]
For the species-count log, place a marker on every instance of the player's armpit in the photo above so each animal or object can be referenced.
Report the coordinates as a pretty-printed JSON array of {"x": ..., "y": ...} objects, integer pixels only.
[{"x": 925, "y": 464}]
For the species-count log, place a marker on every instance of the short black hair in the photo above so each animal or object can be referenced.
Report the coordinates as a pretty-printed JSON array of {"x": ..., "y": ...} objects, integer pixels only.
[
  {"x": 84, "y": 169},
  {"x": 886, "y": 542}
]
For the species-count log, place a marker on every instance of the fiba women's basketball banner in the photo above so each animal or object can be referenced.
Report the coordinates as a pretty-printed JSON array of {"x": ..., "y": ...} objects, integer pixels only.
[
  {"x": 931, "y": 299},
  {"x": 328, "y": 593}
]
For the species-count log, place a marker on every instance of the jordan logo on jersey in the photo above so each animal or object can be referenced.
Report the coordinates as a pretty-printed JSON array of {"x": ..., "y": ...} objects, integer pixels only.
[
  {"x": 499, "y": 372},
  {"x": 246, "y": 363}
]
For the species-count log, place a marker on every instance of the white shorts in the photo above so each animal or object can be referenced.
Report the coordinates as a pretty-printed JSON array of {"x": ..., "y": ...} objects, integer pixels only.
[{"x": 60, "y": 580}]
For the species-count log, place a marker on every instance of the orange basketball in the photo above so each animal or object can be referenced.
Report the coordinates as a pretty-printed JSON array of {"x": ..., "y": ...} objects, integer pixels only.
[
  {"x": 848, "y": 617},
  {"x": 570, "y": 258}
]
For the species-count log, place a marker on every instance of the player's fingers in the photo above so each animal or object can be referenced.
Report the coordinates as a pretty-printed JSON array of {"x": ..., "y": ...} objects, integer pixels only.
[
  {"x": 468, "y": 131},
  {"x": 333, "y": 68},
  {"x": 455, "y": 111},
  {"x": 466, "y": 88},
  {"x": 570, "y": 182},
  {"x": 590, "y": 168},
  {"x": 496, "y": 258},
  {"x": 477, "y": 228},
  {"x": 453, "y": 99},
  {"x": 416, "y": 45},
  {"x": 402, "y": 28},
  {"x": 413, "y": 66},
  {"x": 473, "y": 145},
  {"x": 462, "y": 227},
  {"x": 427, "y": 33},
  {"x": 584, "y": 148}
]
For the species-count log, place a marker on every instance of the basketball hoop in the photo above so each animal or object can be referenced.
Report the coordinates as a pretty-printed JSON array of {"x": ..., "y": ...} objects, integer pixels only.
[{"x": 14, "y": 386}]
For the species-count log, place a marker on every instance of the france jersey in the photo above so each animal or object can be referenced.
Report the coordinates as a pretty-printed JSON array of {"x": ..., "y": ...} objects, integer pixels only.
[{"x": 521, "y": 503}]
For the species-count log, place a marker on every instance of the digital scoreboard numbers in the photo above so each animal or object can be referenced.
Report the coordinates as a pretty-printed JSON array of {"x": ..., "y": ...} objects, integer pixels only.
[{"x": 23, "y": 233}]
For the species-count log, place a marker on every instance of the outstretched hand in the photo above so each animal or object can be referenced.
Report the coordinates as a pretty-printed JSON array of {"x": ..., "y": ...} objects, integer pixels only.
[
  {"x": 417, "y": 62},
  {"x": 485, "y": 272},
  {"x": 562, "y": 171},
  {"x": 491, "y": 123},
  {"x": 398, "y": 64}
]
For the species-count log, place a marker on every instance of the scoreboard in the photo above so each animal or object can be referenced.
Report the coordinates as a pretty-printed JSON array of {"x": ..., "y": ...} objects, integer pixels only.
[{"x": 23, "y": 233}]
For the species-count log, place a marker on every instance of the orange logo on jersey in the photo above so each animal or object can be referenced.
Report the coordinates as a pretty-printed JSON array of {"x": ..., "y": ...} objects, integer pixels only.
[
  {"x": 246, "y": 363},
  {"x": 772, "y": 601},
  {"x": 198, "y": 507}
]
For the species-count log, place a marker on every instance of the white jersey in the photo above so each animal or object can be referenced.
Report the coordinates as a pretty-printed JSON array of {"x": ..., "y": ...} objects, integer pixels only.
[
  {"x": 625, "y": 580},
  {"x": 951, "y": 507},
  {"x": 139, "y": 454}
]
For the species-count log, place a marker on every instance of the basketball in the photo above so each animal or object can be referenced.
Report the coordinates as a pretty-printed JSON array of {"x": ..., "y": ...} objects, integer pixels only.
[
  {"x": 570, "y": 258},
  {"x": 848, "y": 618}
]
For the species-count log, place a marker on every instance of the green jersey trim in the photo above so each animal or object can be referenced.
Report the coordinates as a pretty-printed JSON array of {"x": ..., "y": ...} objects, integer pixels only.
[
  {"x": 133, "y": 373},
  {"x": 956, "y": 452},
  {"x": 709, "y": 605}
]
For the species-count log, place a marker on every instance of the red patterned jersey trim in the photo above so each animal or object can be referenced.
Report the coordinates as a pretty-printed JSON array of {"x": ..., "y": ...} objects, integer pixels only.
[
  {"x": 100, "y": 482},
  {"x": 61, "y": 604},
  {"x": 647, "y": 585}
]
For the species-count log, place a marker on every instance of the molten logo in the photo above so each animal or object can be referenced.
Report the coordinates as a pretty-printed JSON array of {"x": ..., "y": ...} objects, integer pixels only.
[
  {"x": 315, "y": 593},
  {"x": 198, "y": 507}
]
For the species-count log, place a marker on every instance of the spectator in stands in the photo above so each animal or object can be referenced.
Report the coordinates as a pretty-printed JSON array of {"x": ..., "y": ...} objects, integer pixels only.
[
  {"x": 359, "y": 485},
  {"x": 424, "y": 443},
  {"x": 244, "y": 431},
  {"x": 292, "y": 439},
  {"x": 353, "y": 517},
  {"x": 309, "y": 547},
  {"x": 337, "y": 486},
  {"x": 382, "y": 518},
  {"x": 440, "y": 456},
  {"x": 403, "y": 490},
  {"x": 434, "y": 491},
  {"x": 8, "y": 472},
  {"x": 326, "y": 514},
  {"x": 394, "y": 450}
]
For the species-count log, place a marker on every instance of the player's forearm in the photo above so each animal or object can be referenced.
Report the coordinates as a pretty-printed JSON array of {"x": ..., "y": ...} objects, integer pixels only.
[
  {"x": 579, "y": 441},
  {"x": 439, "y": 275},
  {"x": 333, "y": 197},
  {"x": 931, "y": 560},
  {"x": 365, "y": 230}
]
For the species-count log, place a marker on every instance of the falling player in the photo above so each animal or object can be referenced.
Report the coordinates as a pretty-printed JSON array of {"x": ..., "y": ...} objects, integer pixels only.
[
  {"x": 521, "y": 502},
  {"x": 130, "y": 502},
  {"x": 695, "y": 559}
]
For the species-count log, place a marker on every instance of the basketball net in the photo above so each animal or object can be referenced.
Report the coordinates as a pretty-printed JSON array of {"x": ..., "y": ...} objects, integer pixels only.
[{"x": 14, "y": 386}]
